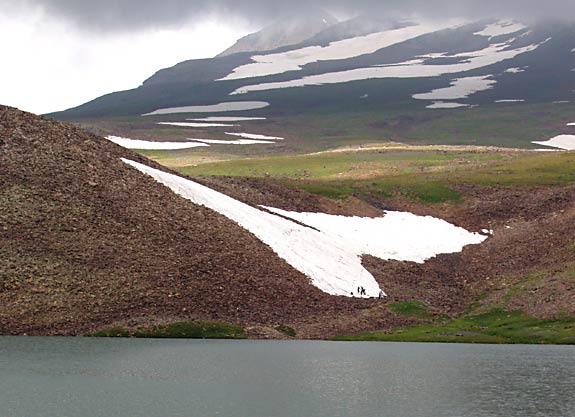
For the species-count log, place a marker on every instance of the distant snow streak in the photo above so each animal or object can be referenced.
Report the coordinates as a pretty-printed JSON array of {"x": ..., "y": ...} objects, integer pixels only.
[
  {"x": 294, "y": 60},
  {"x": 212, "y": 108},
  {"x": 330, "y": 252},
  {"x": 149, "y": 145}
]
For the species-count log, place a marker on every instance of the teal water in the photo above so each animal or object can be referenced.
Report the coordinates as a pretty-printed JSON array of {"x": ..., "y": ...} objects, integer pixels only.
[{"x": 73, "y": 377}]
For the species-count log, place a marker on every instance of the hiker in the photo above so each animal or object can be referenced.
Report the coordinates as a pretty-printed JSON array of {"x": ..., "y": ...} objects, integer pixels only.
[{"x": 382, "y": 295}]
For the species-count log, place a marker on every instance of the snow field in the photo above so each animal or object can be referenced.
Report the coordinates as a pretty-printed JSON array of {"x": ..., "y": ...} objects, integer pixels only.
[{"x": 330, "y": 252}]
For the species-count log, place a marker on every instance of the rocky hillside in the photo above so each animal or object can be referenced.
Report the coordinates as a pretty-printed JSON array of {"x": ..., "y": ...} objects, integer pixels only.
[{"x": 87, "y": 242}]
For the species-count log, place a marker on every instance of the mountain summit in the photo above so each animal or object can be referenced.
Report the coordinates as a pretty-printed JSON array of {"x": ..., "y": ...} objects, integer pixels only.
[{"x": 289, "y": 31}]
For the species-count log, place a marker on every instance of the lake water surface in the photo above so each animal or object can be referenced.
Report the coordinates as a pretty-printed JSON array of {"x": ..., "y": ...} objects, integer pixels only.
[{"x": 82, "y": 377}]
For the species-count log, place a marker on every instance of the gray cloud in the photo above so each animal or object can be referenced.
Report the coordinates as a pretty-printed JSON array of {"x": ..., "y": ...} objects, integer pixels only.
[{"x": 118, "y": 15}]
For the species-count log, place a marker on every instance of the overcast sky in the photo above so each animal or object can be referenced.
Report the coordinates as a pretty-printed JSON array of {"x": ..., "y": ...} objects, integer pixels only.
[{"x": 60, "y": 53}]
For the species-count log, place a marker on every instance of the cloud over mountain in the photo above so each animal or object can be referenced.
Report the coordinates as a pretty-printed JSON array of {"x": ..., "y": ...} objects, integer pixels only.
[{"x": 121, "y": 15}]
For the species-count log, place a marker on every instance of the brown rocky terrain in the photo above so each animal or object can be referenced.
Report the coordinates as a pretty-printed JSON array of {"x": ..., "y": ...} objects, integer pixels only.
[{"x": 87, "y": 242}]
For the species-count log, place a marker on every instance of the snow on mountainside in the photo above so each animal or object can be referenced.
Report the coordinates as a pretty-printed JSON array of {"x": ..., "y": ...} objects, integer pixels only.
[
  {"x": 282, "y": 33},
  {"x": 294, "y": 60},
  {"x": 488, "y": 61}
]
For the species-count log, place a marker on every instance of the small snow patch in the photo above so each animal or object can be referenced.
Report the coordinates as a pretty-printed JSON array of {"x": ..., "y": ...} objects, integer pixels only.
[
  {"x": 459, "y": 88},
  {"x": 192, "y": 124},
  {"x": 517, "y": 100},
  {"x": 515, "y": 70}
]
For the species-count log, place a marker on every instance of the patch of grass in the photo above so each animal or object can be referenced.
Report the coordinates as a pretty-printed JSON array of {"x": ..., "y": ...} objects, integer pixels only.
[
  {"x": 496, "y": 326},
  {"x": 412, "y": 308},
  {"x": 288, "y": 331},
  {"x": 180, "y": 330},
  {"x": 367, "y": 163}
]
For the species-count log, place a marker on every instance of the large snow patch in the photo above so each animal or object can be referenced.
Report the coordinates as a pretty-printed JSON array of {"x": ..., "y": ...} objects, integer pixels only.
[{"x": 329, "y": 252}]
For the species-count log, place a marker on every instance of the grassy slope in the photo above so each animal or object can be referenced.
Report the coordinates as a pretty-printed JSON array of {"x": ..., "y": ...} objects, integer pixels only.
[
  {"x": 433, "y": 177},
  {"x": 426, "y": 176}
]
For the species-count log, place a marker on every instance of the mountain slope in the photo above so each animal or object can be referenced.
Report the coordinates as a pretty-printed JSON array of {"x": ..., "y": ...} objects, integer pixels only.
[{"x": 366, "y": 61}]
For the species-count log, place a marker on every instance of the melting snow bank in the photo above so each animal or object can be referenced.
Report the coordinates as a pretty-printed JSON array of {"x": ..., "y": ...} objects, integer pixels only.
[
  {"x": 396, "y": 236},
  {"x": 565, "y": 142},
  {"x": 253, "y": 136},
  {"x": 147, "y": 145},
  {"x": 212, "y": 108},
  {"x": 331, "y": 255},
  {"x": 232, "y": 142}
]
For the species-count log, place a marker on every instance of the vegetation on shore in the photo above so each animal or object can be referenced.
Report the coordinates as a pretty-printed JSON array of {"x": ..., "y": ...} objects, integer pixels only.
[
  {"x": 495, "y": 326},
  {"x": 179, "y": 330}
]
